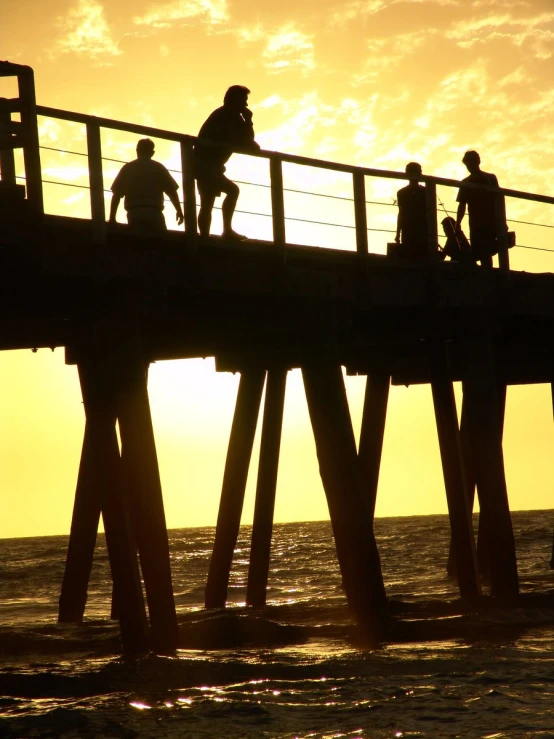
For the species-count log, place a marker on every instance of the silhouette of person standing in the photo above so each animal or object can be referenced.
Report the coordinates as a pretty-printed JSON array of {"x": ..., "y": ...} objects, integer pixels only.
[
  {"x": 143, "y": 183},
  {"x": 231, "y": 126},
  {"x": 486, "y": 210},
  {"x": 411, "y": 225}
]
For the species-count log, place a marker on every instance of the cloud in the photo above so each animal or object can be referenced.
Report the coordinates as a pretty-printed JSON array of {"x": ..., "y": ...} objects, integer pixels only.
[
  {"x": 519, "y": 30},
  {"x": 288, "y": 48},
  {"x": 358, "y": 8},
  {"x": 213, "y": 12},
  {"x": 86, "y": 32},
  {"x": 386, "y": 53}
]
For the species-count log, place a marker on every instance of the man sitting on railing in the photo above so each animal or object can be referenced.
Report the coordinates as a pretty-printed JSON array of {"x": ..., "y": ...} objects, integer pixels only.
[
  {"x": 232, "y": 126},
  {"x": 143, "y": 183},
  {"x": 486, "y": 210},
  {"x": 411, "y": 228}
]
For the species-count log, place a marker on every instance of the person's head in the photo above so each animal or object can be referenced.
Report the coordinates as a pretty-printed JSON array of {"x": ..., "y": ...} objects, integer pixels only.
[
  {"x": 145, "y": 148},
  {"x": 472, "y": 160},
  {"x": 414, "y": 170},
  {"x": 236, "y": 97},
  {"x": 449, "y": 226}
]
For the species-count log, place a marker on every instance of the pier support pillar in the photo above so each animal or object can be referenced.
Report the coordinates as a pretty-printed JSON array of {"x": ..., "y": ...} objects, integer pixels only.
[
  {"x": 262, "y": 527},
  {"x": 352, "y": 525},
  {"x": 104, "y": 472},
  {"x": 372, "y": 434},
  {"x": 142, "y": 478},
  {"x": 552, "y": 558},
  {"x": 235, "y": 476},
  {"x": 484, "y": 414},
  {"x": 469, "y": 467},
  {"x": 82, "y": 539},
  {"x": 454, "y": 474}
]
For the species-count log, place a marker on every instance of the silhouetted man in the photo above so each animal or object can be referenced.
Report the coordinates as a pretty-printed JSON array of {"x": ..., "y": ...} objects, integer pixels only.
[
  {"x": 411, "y": 225},
  {"x": 486, "y": 210},
  {"x": 143, "y": 183},
  {"x": 231, "y": 125}
]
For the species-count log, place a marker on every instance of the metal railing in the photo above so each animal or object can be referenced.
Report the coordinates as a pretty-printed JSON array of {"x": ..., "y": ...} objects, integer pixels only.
[{"x": 94, "y": 125}]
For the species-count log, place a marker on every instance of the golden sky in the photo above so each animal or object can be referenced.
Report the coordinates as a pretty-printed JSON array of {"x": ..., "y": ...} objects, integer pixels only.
[{"x": 376, "y": 83}]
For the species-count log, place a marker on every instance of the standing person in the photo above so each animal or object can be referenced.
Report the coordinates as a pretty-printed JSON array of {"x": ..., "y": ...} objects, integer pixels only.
[
  {"x": 231, "y": 125},
  {"x": 411, "y": 225},
  {"x": 143, "y": 183},
  {"x": 486, "y": 210}
]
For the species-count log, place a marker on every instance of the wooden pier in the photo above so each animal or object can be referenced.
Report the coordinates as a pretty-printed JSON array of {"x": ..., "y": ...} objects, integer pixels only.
[{"x": 117, "y": 303}]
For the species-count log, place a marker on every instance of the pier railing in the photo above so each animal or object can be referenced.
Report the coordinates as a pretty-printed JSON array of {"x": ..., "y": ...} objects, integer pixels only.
[{"x": 354, "y": 225}]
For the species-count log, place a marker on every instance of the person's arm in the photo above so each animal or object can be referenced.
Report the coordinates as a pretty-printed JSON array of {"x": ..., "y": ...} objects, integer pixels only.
[
  {"x": 245, "y": 139},
  {"x": 461, "y": 213},
  {"x": 119, "y": 189},
  {"x": 172, "y": 194},
  {"x": 399, "y": 219},
  {"x": 114, "y": 205},
  {"x": 501, "y": 205}
]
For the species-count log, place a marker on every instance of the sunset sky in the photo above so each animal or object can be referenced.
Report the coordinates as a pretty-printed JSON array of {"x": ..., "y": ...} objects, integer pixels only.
[{"x": 371, "y": 82}]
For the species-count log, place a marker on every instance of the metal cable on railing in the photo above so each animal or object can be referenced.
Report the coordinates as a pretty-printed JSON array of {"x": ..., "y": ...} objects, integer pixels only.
[
  {"x": 240, "y": 182},
  {"x": 291, "y": 190}
]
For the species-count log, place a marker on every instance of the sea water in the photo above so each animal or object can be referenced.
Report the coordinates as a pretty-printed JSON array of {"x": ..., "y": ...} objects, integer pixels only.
[{"x": 293, "y": 669}]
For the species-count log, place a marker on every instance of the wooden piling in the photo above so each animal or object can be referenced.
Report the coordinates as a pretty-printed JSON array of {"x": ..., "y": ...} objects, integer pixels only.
[
  {"x": 352, "y": 526},
  {"x": 453, "y": 470},
  {"x": 372, "y": 434},
  {"x": 262, "y": 527},
  {"x": 140, "y": 465},
  {"x": 552, "y": 557},
  {"x": 82, "y": 539},
  {"x": 469, "y": 468},
  {"x": 485, "y": 429},
  {"x": 239, "y": 452},
  {"x": 105, "y": 474}
]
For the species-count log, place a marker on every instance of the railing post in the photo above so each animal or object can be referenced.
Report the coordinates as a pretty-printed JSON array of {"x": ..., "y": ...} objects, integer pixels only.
[
  {"x": 29, "y": 127},
  {"x": 360, "y": 214},
  {"x": 277, "y": 201},
  {"x": 502, "y": 236},
  {"x": 7, "y": 160},
  {"x": 432, "y": 231},
  {"x": 189, "y": 189},
  {"x": 96, "y": 180}
]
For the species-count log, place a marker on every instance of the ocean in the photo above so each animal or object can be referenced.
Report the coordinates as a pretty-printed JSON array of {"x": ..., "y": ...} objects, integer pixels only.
[{"x": 292, "y": 670}]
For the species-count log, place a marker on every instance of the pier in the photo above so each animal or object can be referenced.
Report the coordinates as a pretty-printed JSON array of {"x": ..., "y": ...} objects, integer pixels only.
[{"x": 116, "y": 302}]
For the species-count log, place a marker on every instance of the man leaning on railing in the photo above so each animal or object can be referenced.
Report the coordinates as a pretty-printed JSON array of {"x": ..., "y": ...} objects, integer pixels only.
[
  {"x": 232, "y": 128},
  {"x": 143, "y": 183}
]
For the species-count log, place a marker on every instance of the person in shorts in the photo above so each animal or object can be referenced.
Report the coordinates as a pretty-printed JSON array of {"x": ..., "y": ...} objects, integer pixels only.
[
  {"x": 411, "y": 225},
  {"x": 142, "y": 183},
  {"x": 229, "y": 128},
  {"x": 486, "y": 211}
]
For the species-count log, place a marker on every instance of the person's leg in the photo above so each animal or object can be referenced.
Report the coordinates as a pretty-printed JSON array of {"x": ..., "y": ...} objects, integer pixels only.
[
  {"x": 229, "y": 204},
  {"x": 207, "y": 201},
  {"x": 481, "y": 246}
]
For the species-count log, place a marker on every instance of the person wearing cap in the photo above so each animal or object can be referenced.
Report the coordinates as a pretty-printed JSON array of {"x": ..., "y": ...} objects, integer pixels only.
[
  {"x": 142, "y": 183},
  {"x": 231, "y": 127},
  {"x": 411, "y": 225},
  {"x": 486, "y": 210}
]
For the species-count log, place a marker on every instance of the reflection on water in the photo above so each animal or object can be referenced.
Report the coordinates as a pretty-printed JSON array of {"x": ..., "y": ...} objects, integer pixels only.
[{"x": 292, "y": 670}]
